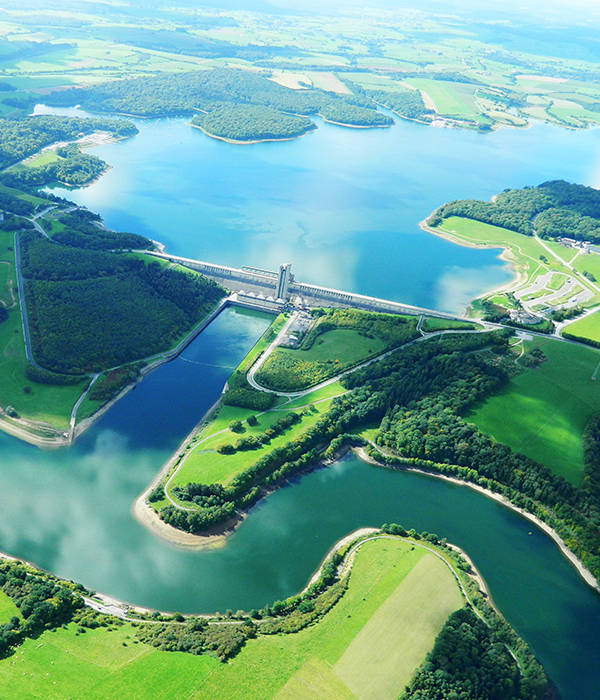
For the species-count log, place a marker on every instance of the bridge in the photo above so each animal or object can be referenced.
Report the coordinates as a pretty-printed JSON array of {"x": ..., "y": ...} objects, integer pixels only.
[{"x": 272, "y": 291}]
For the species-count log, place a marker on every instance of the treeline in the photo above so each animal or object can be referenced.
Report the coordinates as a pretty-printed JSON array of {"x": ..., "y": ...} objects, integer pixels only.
[
  {"x": 93, "y": 309},
  {"x": 81, "y": 229},
  {"x": 226, "y": 95},
  {"x": 43, "y": 601},
  {"x": 20, "y": 138},
  {"x": 72, "y": 168},
  {"x": 407, "y": 103},
  {"x": 554, "y": 209},
  {"x": 113, "y": 382}
]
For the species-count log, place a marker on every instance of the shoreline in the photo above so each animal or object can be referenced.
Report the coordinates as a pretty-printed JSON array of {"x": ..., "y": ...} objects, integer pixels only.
[
  {"x": 507, "y": 256},
  {"x": 147, "y": 517},
  {"x": 577, "y": 564}
]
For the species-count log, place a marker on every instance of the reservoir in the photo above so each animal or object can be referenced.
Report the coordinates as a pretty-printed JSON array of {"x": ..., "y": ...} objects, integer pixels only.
[{"x": 343, "y": 206}]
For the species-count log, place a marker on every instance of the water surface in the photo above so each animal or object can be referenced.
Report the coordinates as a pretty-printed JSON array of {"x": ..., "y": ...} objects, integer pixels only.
[{"x": 343, "y": 205}]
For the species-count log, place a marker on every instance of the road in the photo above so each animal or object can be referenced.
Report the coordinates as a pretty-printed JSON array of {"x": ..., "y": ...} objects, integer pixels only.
[{"x": 21, "y": 290}]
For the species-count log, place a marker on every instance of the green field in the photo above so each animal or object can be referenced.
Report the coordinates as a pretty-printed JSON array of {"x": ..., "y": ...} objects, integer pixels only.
[
  {"x": 343, "y": 345},
  {"x": 430, "y": 325},
  {"x": 204, "y": 465},
  {"x": 588, "y": 327},
  {"x": 453, "y": 99},
  {"x": 542, "y": 413},
  {"x": 367, "y": 646},
  {"x": 7, "y": 609}
]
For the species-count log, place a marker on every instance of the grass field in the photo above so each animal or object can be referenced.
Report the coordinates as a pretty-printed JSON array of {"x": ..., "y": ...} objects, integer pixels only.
[
  {"x": 542, "y": 413},
  {"x": 7, "y": 609},
  {"x": 453, "y": 99},
  {"x": 204, "y": 465},
  {"x": 367, "y": 646},
  {"x": 588, "y": 327},
  {"x": 442, "y": 324},
  {"x": 341, "y": 344}
]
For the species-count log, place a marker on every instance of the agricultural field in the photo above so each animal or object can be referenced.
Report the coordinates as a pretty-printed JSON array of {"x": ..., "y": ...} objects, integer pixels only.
[
  {"x": 543, "y": 411},
  {"x": 367, "y": 646}
]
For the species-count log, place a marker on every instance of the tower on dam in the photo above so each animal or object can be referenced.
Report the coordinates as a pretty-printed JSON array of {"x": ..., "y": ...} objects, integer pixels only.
[{"x": 283, "y": 281}]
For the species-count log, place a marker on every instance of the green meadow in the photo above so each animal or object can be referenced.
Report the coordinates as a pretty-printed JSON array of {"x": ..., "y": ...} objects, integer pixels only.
[
  {"x": 588, "y": 327},
  {"x": 367, "y": 646},
  {"x": 543, "y": 411}
]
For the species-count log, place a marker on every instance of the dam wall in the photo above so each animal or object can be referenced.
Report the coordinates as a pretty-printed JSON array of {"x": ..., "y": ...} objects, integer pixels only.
[{"x": 264, "y": 285}]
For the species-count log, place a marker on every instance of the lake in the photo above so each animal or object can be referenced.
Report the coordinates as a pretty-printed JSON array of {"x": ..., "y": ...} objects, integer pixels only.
[{"x": 343, "y": 205}]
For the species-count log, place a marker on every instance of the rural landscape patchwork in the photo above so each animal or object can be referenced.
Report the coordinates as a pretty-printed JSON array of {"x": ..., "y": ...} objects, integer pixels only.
[{"x": 299, "y": 350}]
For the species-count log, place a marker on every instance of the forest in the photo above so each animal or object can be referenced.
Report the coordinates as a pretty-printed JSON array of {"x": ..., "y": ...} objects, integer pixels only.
[
  {"x": 418, "y": 396},
  {"x": 225, "y": 95},
  {"x": 91, "y": 307},
  {"x": 20, "y": 138},
  {"x": 252, "y": 122},
  {"x": 468, "y": 660},
  {"x": 408, "y": 103},
  {"x": 72, "y": 167},
  {"x": 554, "y": 209}
]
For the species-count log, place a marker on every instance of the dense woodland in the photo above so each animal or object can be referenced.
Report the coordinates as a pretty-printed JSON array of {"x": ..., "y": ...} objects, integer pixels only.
[
  {"x": 231, "y": 100},
  {"x": 408, "y": 103},
  {"x": 91, "y": 308},
  {"x": 554, "y": 209},
  {"x": 469, "y": 661},
  {"x": 252, "y": 122},
  {"x": 71, "y": 168},
  {"x": 418, "y": 395},
  {"x": 20, "y": 138}
]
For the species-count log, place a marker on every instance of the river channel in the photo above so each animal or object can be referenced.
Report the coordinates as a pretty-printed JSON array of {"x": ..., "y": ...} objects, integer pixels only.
[{"x": 343, "y": 206}]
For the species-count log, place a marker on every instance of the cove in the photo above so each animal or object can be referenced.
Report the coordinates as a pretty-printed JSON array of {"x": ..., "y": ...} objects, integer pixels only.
[{"x": 343, "y": 205}]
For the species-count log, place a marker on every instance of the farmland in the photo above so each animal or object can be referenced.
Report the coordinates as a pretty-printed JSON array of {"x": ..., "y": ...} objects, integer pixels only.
[
  {"x": 543, "y": 411},
  {"x": 368, "y": 645}
]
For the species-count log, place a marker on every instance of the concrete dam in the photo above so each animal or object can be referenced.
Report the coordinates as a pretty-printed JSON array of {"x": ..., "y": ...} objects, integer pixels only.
[{"x": 272, "y": 291}]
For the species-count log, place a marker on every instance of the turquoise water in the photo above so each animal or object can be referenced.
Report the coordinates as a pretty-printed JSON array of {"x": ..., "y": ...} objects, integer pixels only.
[{"x": 343, "y": 205}]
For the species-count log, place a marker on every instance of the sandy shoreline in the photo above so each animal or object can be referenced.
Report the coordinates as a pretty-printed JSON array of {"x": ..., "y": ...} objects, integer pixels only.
[{"x": 585, "y": 573}]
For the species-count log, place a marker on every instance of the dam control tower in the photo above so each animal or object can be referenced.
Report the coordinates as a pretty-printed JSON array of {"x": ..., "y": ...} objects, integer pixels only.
[{"x": 283, "y": 281}]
